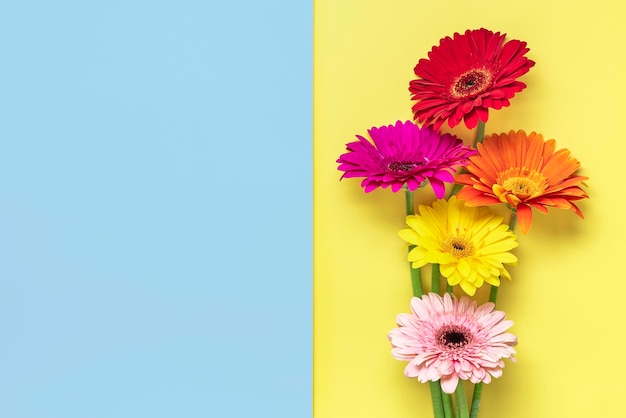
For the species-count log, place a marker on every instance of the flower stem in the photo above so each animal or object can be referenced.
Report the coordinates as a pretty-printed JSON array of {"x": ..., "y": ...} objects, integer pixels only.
[
  {"x": 435, "y": 395},
  {"x": 493, "y": 294},
  {"x": 457, "y": 187},
  {"x": 480, "y": 133},
  {"x": 435, "y": 279},
  {"x": 409, "y": 198},
  {"x": 478, "y": 387},
  {"x": 416, "y": 275},
  {"x": 513, "y": 220},
  {"x": 416, "y": 279},
  {"x": 448, "y": 411},
  {"x": 478, "y": 390},
  {"x": 418, "y": 291},
  {"x": 461, "y": 401}
]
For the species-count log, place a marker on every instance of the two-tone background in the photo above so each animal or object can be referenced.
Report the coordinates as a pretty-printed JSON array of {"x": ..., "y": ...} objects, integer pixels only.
[{"x": 155, "y": 208}]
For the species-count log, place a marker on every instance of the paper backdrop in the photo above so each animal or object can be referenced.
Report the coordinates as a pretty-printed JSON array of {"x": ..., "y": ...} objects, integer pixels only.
[{"x": 567, "y": 296}]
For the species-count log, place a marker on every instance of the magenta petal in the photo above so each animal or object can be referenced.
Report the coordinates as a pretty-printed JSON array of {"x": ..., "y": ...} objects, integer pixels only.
[
  {"x": 413, "y": 184},
  {"x": 401, "y": 154},
  {"x": 438, "y": 188},
  {"x": 370, "y": 187}
]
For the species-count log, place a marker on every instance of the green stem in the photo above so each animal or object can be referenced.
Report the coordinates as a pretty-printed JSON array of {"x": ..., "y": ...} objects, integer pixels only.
[
  {"x": 461, "y": 401},
  {"x": 435, "y": 395},
  {"x": 478, "y": 390},
  {"x": 416, "y": 275},
  {"x": 478, "y": 387},
  {"x": 418, "y": 291},
  {"x": 513, "y": 220},
  {"x": 493, "y": 294},
  {"x": 480, "y": 135},
  {"x": 457, "y": 187},
  {"x": 409, "y": 199},
  {"x": 448, "y": 411},
  {"x": 435, "y": 279},
  {"x": 416, "y": 279}
]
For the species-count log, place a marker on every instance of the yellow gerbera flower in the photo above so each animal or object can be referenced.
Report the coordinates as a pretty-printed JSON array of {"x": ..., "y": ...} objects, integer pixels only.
[{"x": 470, "y": 244}]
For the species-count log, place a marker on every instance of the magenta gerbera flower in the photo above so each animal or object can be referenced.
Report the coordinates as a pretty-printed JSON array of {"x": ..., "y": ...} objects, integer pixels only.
[
  {"x": 404, "y": 154},
  {"x": 466, "y": 75},
  {"x": 448, "y": 339}
]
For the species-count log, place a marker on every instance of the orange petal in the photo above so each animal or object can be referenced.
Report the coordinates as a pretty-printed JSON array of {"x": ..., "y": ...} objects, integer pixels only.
[
  {"x": 524, "y": 217},
  {"x": 539, "y": 207},
  {"x": 475, "y": 198}
]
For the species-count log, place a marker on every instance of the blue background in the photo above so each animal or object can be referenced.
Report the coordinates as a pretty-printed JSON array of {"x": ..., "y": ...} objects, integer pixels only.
[{"x": 155, "y": 208}]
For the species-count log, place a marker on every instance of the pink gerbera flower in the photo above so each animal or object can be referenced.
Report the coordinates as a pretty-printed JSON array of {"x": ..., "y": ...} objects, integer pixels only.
[
  {"x": 404, "y": 154},
  {"x": 448, "y": 339},
  {"x": 466, "y": 75}
]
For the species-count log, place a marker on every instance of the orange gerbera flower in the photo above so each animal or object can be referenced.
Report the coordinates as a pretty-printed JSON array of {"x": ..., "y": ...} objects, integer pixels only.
[{"x": 524, "y": 172}]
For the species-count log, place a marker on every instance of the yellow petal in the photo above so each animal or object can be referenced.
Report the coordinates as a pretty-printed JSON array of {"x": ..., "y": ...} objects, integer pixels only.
[
  {"x": 409, "y": 236},
  {"x": 455, "y": 278},
  {"x": 464, "y": 267},
  {"x": 468, "y": 288},
  {"x": 493, "y": 280}
]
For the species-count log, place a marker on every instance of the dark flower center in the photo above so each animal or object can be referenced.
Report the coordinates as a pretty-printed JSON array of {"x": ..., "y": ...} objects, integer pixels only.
[
  {"x": 405, "y": 166},
  {"x": 471, "y": 83},
  {"x": 454, "y": 337}
]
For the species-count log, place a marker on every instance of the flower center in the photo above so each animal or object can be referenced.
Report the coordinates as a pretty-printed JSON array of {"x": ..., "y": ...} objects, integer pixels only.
[
  {"x": 521, "y": 182},
  {"x": 405, "y": 166},
  {"x": 470, "y": 84},
  {"x": 454, "y": 337},
  {"x": 459, "y": 246}
]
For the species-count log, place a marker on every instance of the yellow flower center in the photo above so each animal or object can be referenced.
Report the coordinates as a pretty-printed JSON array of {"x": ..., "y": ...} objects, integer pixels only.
[
  {"x": 522, "y": 183},
  {"x": 459, "y": 246},
  {"x": 471, "y": 83}
]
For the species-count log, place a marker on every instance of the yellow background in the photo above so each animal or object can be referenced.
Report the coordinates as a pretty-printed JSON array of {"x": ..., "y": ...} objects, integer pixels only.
[{"x": 568, "y": 293}]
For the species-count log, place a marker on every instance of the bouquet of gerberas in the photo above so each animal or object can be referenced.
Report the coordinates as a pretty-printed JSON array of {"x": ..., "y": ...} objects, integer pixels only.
[{"x": 448, "y": 339}]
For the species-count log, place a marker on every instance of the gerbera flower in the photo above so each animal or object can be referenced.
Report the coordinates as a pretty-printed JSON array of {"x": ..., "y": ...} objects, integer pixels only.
[
  {"x": 447, "y": 339},
  {"x": 404, "y": 154},
  {"x": 466, "y": 75},
  {"x": 523, "y": 171},
  {"x": 470, "y": 244}
]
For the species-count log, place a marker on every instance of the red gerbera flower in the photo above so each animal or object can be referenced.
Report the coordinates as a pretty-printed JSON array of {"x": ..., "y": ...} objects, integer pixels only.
[{"x": 465, "y": 76}]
